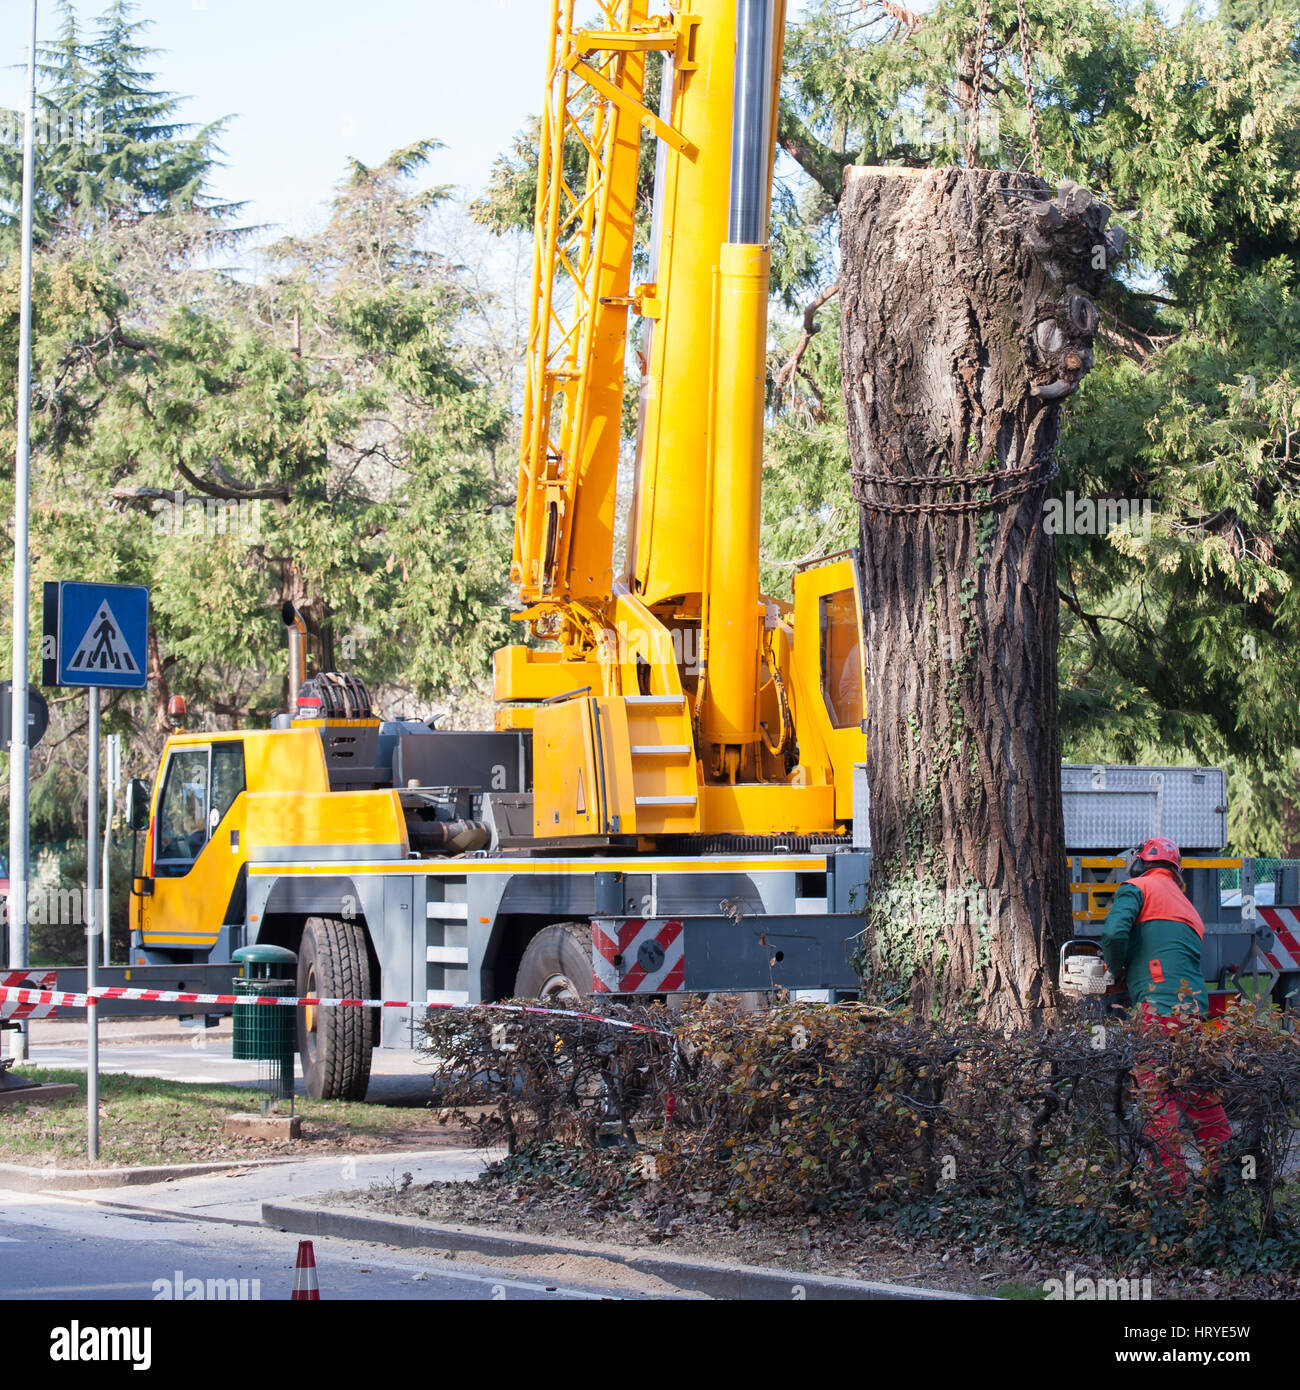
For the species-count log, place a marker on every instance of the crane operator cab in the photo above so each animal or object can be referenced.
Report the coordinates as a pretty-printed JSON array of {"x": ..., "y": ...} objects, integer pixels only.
[{"x": 828, "y": 642}]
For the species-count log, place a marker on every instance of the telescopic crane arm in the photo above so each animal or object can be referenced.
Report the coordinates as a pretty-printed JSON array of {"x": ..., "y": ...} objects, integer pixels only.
[{"x": 690, "y": 694}]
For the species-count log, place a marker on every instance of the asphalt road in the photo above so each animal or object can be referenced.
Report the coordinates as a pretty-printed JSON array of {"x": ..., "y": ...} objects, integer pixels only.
[
  {"x": 132, "y": 1243},
  {"x": 60, "y": 1249}
]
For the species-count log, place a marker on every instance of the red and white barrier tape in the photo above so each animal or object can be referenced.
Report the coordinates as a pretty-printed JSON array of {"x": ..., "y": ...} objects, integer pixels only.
[
  {"x": 63, "y": 999},
  {"x": 20, "y": 979}
]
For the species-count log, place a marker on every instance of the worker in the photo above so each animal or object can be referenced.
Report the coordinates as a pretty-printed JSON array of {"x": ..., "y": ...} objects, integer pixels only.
[{"x": 1152, "y": 940}]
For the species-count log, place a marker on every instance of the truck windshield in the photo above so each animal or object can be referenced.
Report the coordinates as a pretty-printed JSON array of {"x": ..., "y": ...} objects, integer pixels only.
[{"x": 183, "y": 808}]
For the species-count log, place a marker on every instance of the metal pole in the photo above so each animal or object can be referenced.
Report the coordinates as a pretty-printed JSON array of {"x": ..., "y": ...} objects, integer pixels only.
[
  {"x": 751, "y": 128},
  {"x": 297, "y": 636},
  {"x": 19, "y": 753},
  {"x": 113, "y": 776},
  {"x": 92, "y": 930}
]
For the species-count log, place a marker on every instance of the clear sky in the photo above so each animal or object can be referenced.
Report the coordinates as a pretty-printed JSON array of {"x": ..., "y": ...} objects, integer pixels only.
[{"x": 310, "y": 82}]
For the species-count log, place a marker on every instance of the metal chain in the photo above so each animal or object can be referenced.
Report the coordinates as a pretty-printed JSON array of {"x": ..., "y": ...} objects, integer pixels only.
[
  {"x": 952, "y": 479},
  {"x": 1040, "y": 455},
  {"x": 972, "y": 136},
  {"x": 1026, "y": 54},
  {"x": 968, "y": 504}
]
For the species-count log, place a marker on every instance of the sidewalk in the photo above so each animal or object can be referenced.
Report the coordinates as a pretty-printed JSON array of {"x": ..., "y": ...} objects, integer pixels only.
[
  {"x": 284, "y": 1195},
  {"x": 533, "y": 1253},
  {"x": 159, "y": 1048},
  {"x": 236, "y": 1191}
]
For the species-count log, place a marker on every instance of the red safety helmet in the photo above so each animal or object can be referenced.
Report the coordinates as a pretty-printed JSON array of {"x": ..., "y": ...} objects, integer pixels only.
[{"x": 1160, "y": 850}]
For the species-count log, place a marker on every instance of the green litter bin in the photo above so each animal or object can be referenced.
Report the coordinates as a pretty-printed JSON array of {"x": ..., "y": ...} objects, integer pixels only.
[{"x": 266, "y": 1032}]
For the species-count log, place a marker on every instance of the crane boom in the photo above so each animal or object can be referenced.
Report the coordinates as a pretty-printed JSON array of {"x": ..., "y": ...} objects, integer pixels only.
[
  {"x": 675, "y": 699},
  {"x": 583, "y": 235}
]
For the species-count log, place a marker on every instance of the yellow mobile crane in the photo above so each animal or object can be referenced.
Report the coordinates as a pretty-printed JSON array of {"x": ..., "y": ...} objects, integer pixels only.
[{"x": 667, "y": 799}]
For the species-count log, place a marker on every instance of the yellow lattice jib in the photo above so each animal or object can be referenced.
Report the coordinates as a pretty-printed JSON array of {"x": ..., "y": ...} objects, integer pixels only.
[{"x": 583, "y": 234}]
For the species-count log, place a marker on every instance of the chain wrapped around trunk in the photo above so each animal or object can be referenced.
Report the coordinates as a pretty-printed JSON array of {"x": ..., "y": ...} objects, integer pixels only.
[{"x": 1039, "y": 471}]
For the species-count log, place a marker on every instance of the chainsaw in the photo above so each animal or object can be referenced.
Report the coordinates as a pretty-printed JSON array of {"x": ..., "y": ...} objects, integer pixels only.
[{"x": 1083, "y": 969}]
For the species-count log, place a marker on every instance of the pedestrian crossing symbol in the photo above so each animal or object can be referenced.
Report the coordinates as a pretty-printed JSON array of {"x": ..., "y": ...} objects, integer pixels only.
[
  {"x": 103, "y": 648},
  {"x": 102, "y": 632}
]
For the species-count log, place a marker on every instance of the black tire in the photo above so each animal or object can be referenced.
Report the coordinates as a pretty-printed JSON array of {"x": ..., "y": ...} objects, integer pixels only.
[
  {"x": 556, "y": 971},
  {"x": 556, "y": 965},
  {"x": 335, "y": 1044}
]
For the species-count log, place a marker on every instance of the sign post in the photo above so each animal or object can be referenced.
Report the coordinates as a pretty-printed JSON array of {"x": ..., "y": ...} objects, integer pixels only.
[
  {"x": 100, "y": 637},
  {"x": 92, "y": 931}
]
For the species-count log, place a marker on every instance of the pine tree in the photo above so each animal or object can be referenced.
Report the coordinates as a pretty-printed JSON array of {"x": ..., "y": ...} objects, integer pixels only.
[
  {"x": 320, "y": 434},
  {"x": 332, "y": 401},
  {"x": 111, "y": 147}
]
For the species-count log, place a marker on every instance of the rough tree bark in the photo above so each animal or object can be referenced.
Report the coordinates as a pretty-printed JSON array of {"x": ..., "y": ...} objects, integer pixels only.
[{"x": 967, "y": 319}]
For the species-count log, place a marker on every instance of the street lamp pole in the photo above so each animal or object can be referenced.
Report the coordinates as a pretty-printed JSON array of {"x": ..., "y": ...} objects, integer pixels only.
[{"x": 19, "y": 752}]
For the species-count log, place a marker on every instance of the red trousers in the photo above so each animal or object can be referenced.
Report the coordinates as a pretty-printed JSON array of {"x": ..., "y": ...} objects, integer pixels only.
[{"x": 1201, "y": 1108}]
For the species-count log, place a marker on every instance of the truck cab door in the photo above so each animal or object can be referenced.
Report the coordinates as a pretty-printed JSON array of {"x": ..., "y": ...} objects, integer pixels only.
[
  {"x": 830, "y": 666},
  {"x": 196, "y": 846}
]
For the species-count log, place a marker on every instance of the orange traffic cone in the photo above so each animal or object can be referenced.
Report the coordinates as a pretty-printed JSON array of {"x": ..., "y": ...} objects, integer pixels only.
[{"x": 304, "y": 1278}]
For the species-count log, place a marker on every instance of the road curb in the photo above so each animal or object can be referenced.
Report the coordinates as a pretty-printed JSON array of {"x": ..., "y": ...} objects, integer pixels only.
[
  {"x": 717, "y": 1281},
  {"x": 19, "y": 1177}
]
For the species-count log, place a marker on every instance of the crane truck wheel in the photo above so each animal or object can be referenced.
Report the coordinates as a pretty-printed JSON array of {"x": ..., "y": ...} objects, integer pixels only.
[
  {"x": 335, "y": 1044},
  {"x": 556, "y": 966}
]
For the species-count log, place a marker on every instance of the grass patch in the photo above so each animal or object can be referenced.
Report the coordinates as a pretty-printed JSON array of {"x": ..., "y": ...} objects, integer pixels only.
[{"x": 146, "y": 1120}]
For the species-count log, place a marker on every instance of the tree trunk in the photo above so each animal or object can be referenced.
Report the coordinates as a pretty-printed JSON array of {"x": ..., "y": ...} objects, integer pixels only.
[{"x": 966, "y": 321}]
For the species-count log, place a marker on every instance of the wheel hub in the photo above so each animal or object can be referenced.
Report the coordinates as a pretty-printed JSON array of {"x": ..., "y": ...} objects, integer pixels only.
[
  {"x": 309, "y": 1015},
  {"x": 560, "y": 992}
]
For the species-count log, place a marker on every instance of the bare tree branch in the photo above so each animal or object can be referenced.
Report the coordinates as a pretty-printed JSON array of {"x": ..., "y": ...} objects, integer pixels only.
[{"x": 810, "y": 326}]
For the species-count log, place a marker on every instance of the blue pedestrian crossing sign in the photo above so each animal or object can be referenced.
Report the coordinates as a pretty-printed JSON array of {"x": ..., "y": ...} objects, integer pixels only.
[{"x": 102, "y": 633}]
